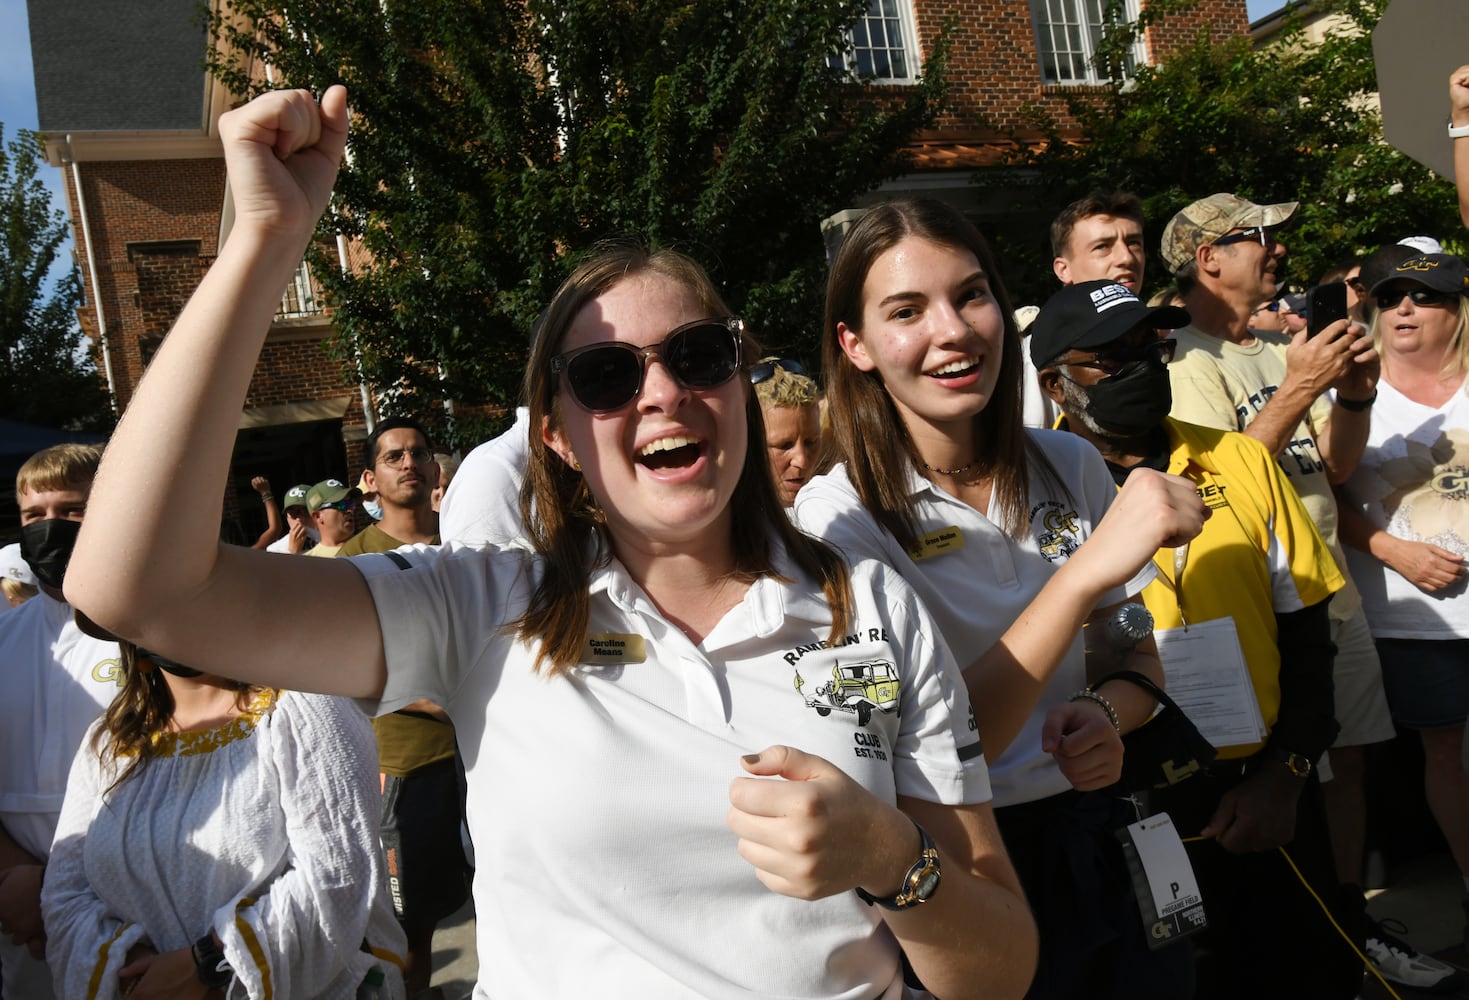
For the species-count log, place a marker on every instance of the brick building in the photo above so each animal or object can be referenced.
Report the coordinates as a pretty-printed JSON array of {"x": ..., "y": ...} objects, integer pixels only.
[
  {"x": 1008, "y": 58},
  {"x": 130, "y": 118}
]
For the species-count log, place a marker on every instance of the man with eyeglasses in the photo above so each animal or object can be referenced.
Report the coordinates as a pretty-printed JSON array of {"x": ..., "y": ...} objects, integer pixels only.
[
  {"x": 1308, "y": 400},
  {"x": 422, "y": 801},
  {"x": 1260, "y": 569}
]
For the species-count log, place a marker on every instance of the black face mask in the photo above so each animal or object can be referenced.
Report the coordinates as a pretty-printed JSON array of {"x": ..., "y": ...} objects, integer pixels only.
[
  {"x": 1132, "y": 402},
  {"x": 46, "y": 547},
  {"x": 168, "y": 666}
]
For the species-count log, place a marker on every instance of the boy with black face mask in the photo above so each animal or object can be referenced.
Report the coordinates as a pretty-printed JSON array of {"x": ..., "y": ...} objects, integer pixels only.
[{"x": 58, "y": 680}]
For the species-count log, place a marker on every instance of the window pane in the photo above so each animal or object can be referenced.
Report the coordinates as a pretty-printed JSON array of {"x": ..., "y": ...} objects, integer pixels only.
[{"x": 878, "y": 44}]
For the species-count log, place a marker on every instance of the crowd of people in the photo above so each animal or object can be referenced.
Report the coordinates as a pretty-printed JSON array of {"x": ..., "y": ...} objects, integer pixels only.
[{"x": 879, "y": 709}]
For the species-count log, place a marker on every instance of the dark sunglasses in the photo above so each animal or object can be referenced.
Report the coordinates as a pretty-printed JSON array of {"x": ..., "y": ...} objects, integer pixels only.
[
  {"x": 1255, "y": 234},
  {"x": 607, "y": 376},
  {"x": 765, "y": 370},
  {"x": 341, "y": 505},
  {"x": 1390, "y": 298},
  {"x": 1159, "y": 352}
]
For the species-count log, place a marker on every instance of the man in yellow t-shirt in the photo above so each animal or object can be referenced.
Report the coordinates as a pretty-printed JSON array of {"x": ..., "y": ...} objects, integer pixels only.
[{"x": 1260, "y": 568}]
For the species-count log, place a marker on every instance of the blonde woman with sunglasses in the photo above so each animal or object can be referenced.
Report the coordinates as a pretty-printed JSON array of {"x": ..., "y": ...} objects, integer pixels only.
[
  {"x": 1405, "y": 519},
  {"x": 688, "y": 772}
]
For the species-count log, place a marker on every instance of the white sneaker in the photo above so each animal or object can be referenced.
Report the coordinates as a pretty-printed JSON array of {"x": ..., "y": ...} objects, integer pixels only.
[{"x": 1400, "y": 964}]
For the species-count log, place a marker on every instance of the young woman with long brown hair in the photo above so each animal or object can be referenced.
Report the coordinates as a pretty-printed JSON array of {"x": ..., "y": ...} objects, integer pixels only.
[
  {"x": 217, "y": 839},
  {"x": 1000, "y": 529},
  {"x": 695, "y": 741}
]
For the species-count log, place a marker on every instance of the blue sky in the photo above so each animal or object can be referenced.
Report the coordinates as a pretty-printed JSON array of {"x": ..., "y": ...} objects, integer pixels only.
[{"x": 18, "y": 99}]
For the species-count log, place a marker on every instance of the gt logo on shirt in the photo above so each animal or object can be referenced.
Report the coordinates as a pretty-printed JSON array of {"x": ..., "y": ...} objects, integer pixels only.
[
  {"x": 1452, "y": 481},
  {"x": 1060, "y": 530},
  {"x": 108, "y": 672}
]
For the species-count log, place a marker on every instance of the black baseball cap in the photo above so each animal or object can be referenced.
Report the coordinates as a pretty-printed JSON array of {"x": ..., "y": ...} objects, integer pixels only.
[{"x": 1091, "y": 314}]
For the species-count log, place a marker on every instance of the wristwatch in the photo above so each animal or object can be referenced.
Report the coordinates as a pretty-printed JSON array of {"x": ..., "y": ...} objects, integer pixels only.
[
  {"x": 1457, "y": 131},
  {"x": 919, "y": 885},
  {"x": 209, "y": 964},
  {"x": 1298, "y": 764}
]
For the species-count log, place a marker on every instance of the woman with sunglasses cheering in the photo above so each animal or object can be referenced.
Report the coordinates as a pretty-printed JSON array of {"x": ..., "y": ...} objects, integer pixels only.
[
  {"x": 698, "y": 745},
  {"x": 1000, "y": 529},
  {"x": 1405, "y": 519}
]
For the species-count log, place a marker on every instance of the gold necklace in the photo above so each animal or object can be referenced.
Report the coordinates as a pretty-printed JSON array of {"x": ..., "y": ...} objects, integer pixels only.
[{"x": 950, "y": 472}]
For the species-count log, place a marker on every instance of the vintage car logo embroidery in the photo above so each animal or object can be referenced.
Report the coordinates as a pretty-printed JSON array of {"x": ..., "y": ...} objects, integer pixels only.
[{"x": 855, "y": 688}]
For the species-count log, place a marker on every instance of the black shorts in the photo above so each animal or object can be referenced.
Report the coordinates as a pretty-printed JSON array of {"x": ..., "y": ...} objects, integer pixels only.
[{"x": 427, "y": 874}]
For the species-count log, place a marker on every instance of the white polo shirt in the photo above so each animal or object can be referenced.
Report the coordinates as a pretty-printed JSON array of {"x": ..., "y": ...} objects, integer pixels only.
[
  {"x": 57, "y": 680},
  {"x": 979, "y": 581},
  {"x": 598, "y": 801},
  {"x": 482, "y": 503}
]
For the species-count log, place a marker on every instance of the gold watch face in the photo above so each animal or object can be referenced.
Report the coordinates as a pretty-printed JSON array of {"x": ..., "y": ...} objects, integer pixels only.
[{"x": 927, "y": 883}]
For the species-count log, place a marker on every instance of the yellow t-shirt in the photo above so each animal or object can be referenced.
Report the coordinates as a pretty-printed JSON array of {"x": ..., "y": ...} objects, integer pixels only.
[
  {"x": 1218, "y": 383},
  {"x": 1258, "y": 553},
  {"x": 406, "y": 741}
]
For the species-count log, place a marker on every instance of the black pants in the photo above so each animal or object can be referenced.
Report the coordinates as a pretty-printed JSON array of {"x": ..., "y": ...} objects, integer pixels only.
[
  {"x": 1092, "y": 942},
  {"x": 1267, "y": 938}
]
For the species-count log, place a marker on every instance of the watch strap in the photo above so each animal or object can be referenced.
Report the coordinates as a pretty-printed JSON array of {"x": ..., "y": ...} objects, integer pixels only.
[
  {"x": 210, "y": 965},
  {"x": 1457, "y": 131},
  {"x": 919, "y": 883}
]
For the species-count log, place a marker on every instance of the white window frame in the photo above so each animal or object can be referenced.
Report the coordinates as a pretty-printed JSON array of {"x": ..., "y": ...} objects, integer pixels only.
[
  {"x": 299, "y": 300},
  {"x": 1076, "y": 25},
  {"x": 882, "y": 20}
]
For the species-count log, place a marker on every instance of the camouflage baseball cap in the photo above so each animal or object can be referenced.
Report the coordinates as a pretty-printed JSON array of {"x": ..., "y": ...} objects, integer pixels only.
[{"x": 1210, "y": 218}]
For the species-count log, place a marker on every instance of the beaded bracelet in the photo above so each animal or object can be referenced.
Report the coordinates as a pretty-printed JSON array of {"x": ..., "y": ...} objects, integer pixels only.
[{"x": 1087, "y": 694}]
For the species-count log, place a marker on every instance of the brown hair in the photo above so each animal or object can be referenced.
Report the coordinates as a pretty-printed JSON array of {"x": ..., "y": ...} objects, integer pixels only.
[
  {"x": 869, "y": 431},
  {"x": 59, "y": 467},
  {"x": 141, "y": 710},
  {"x": 562, "y": 516},
  {"x": 1122, "y": 204}
]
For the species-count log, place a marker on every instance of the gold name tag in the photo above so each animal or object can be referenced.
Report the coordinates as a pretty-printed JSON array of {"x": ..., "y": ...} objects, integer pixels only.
[
  {"x": 949, "y": 539},
  {"x": 613, "y": 647}
]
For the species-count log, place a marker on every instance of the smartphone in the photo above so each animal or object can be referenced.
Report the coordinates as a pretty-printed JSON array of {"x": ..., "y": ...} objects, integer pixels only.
[{"x": 1325, "y": 304}]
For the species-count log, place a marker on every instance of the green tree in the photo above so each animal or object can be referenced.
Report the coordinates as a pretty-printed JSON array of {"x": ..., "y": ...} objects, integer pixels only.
[
  {"x": 494, "y": 139},
  {"x": 44, "y": 377},
  {"x": 1289, "y": 122}
]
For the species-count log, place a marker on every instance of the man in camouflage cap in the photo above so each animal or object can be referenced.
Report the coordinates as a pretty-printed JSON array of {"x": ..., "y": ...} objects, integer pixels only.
[
  {"x": 1308, "y": 400},
  {"x": 1219, "y": 215}
]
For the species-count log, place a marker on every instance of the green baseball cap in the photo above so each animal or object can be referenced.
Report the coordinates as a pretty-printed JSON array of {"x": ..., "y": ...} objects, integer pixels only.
[
  {"x": 325, "y": 492},
  {"x": 296, "y": 496}
]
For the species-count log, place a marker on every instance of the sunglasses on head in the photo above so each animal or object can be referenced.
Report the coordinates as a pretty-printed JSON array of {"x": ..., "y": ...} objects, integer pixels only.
[
  {"x": 1390, "y": 298},
  {"x": 765, "y": 370},
  {"x": 607, "y": 376}
]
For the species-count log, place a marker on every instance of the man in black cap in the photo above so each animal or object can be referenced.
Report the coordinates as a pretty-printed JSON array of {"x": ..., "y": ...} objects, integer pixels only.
[{"x": 1258, "y": 579}]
